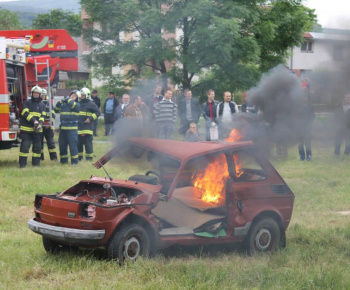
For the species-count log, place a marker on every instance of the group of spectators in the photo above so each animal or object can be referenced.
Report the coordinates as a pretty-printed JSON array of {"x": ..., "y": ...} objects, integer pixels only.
[{"x": 155, "y": 117}]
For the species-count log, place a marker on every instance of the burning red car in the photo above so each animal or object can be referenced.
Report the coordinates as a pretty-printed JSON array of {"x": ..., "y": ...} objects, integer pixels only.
[{"x": 192, "y": 193}]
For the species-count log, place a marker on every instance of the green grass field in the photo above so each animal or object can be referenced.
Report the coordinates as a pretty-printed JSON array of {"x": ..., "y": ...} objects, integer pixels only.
[{"x": 317, "y": 255}]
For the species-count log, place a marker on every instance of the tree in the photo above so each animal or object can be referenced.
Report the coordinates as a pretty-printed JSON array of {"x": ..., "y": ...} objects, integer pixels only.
[
  {"x": 280, "y": 28},
  {"x": 222, "y": 43},
  {"x": 59, "y": 19},
  {"x": 9, "y": 20}
]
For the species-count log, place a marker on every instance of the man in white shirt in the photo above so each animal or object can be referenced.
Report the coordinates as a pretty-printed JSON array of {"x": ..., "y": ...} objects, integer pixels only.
[{"x": 224, "y": 113}]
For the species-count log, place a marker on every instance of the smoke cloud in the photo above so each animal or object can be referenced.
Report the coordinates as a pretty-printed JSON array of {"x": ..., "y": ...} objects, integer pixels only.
[{"x": 280, "y": 98}]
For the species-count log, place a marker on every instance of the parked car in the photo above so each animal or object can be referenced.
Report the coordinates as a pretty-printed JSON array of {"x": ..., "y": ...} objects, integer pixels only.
[{"x": 192, "y": 194}]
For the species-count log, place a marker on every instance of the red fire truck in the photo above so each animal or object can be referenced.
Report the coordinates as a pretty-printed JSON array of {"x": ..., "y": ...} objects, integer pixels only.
[
  {"x": 51, "y": 51},
  {"x": 13, "y": 89}
]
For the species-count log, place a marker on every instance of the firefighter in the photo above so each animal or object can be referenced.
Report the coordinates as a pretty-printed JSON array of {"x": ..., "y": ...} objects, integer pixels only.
[
  {"x": 89, "y": 112},
  {"x": 47, "y": 129},
  {"x": 32, "y": 119},
  {"x": 69, "y": 109}
]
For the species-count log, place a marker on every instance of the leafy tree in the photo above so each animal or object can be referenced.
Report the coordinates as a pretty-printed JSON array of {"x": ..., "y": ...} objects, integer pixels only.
[
  {"x": 280, "y": 27},
  {"x": 59, "y": 19},
  {"x": 223, "y": 44},
  {"x": 9, "y": 20}
]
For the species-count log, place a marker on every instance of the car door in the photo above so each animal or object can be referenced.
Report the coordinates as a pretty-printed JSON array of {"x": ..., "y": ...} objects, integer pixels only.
[{"x": 247, "y": 191}]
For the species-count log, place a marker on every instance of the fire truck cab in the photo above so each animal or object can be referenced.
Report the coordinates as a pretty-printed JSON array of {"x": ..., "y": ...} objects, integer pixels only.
[{"x": 13, "y": 89}]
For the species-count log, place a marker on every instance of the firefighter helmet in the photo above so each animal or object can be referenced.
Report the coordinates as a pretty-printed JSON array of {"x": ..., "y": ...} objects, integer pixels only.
[
  {"x": 86, "y": 92},
  {"x": 77, "y": 92},
  {"x": 36, "y": 89},
  {"x": 44, "y": 92}
]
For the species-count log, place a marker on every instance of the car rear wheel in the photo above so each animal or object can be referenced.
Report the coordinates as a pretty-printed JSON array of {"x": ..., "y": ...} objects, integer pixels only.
[
  {"x": 129, "y": 243},
  {"x": 50, "y": 246},
  {"x": 264, "y": 236}
]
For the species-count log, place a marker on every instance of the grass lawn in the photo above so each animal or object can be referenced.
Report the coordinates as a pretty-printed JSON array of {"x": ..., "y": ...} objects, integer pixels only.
[{"x": 317, "y": 255}]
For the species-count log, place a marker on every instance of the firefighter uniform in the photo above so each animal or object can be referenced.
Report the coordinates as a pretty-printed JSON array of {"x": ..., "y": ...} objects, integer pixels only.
[
  {"x": 88, "y": 111},
  {"x": 32, "y": 118},
  {"x": 69, "y": 110},
  {"x": 48, "y": 133}
]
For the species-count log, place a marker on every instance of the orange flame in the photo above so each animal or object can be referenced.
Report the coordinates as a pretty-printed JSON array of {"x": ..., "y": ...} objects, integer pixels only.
[
  {"x": 211, "y": 181},
  {"x": 234, "y": 136}
]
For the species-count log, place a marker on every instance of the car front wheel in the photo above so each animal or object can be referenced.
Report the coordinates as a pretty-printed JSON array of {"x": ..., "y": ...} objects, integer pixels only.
[
  {"x": 264, "y": 236},
  {"x": 129, "y": 243}
]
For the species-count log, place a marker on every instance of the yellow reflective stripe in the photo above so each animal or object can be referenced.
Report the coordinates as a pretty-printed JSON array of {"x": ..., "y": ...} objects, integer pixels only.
[
  {"x": 86, "y": 113},
  {"x": 52, "y": 150},
  {"x": 89, "y": 155},
  {"x": 30, "y": 116},
  {"x": 41, "y": 119},
  {"x": 28, "y": 129},
  {"x": 74, "y": 156},
  {"x": 23, "y": 154},
  {"x": 74, "y": 105},
  {"x": 69, "y": 128},
  {"x": 36, "y": 155},
  {"x": 80, "y": 154},
  {"x": 89, "y": 132},
  {"x": 69, "y": 113},
  {"x": 64, "y": 156},
  {"x": 24, "y": 111},
  {"x": 94, "y": 116},
  {"x": 36, "y": 114},
  {"x": 44, "y": 113},
  {"x": 70, "y": 100}
]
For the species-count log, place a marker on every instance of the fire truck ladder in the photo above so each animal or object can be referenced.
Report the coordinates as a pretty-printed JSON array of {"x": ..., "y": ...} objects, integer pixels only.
[{"x": 47, "y": 76}]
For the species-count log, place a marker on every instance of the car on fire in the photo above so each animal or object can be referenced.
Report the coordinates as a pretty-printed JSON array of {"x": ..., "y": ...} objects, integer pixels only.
[{"x": 204, "y": 193}]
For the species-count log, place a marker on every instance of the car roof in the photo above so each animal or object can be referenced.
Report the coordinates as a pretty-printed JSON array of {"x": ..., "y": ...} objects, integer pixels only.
[{"x": 180, "y": 150}]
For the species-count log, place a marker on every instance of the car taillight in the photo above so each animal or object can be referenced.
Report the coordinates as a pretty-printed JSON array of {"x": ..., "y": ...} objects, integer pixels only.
[
  {"x": 88, "y": 210},
  {"x": 37, "y": 202},
  {"x": 12, "y": 135}
]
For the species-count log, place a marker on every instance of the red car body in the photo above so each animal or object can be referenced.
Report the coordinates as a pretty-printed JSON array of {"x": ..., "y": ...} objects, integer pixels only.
[{"x": 142, "y": 214}]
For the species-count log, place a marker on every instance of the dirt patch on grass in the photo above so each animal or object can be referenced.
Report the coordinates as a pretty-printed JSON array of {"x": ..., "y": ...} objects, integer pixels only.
[
  {"x": 35, "y": 273},
  {"x": 346, "y": 212},
  {"x": 23, "y": 212}
]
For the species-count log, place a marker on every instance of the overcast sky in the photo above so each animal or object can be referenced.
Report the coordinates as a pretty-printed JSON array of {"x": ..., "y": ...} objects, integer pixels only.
[{"x": 331, "y": 13}]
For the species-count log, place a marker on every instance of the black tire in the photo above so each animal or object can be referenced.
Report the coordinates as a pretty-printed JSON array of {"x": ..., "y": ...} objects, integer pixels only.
[
  {"x": 264, "y": 236},
  {"x": 128, "y": 243},
  {"x": 51, "y": 246}
]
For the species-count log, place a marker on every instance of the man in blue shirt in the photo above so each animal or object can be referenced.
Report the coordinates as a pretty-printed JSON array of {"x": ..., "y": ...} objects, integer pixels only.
[{"x": 109, "y": 111}]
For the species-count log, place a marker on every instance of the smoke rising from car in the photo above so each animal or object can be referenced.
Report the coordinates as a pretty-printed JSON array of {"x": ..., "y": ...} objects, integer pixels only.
[{"x": 280, "y": 99}]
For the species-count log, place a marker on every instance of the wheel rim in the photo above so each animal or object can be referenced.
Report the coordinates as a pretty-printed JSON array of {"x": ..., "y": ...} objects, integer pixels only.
[
  {"x": 263, "y": 239},
  {"x": 132, "y": 248}
]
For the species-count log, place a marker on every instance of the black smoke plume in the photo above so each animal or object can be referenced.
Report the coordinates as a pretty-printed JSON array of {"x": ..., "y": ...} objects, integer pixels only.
[{"x": 280, "y": 99}]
